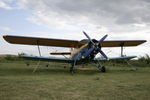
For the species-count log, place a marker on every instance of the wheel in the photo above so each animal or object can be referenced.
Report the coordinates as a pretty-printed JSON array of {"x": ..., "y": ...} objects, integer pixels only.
[
  {"x": 27, "y": 64},
  {"x": 47, "y": 65},
  {"x": 103, "y": 69},
  {"x": 72, "y": 70}
]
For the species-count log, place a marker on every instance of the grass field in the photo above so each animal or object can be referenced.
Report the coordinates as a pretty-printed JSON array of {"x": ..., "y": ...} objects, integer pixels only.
[{"x": 120, "y": 82}]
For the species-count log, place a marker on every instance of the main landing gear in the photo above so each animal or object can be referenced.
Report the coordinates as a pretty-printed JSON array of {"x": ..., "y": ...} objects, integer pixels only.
[
  {"x": 72, "y": 69},
  {"x": 102, "y": 68}
]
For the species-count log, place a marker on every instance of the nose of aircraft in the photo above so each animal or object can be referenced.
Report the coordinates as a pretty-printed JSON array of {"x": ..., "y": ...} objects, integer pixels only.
[{"x": 95, "y": 46}]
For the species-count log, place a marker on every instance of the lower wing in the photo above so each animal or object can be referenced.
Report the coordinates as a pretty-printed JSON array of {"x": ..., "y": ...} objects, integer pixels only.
[
  {"x": 115, "y": 58},
  {"x": 53, "y": 59},
  {"x": 68, "y": 60}
]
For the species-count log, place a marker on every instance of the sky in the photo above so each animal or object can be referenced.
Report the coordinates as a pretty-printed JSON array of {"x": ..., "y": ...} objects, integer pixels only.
[{"x": 66, "y": 19}]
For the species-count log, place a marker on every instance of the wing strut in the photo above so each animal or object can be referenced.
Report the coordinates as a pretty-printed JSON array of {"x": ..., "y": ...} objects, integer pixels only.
[
  {"x": 39, "y": 48},
  {"x": 39, "y": 55},
  {"x": 122, "y": 49}
]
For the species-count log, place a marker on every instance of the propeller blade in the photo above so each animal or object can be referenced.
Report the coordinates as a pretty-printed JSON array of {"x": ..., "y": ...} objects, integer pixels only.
[
  {"x": 88, "y": 38},
  {"x": 87, "y": 53},
  {"x": 102, "y": 39},
  {"x": 102, "y": 53}
]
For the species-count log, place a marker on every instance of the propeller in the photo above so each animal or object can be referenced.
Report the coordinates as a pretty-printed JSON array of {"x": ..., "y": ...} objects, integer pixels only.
[
  {"x": 96, "y": 46},
  {"x": 88, "y": 38}
]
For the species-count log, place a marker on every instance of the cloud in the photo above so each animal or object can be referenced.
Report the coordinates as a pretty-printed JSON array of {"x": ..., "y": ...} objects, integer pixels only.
[
  {"x": 6, "y": 29},
  {"x": 112, "y": 15},
  {"x": 5, "y": 6}
]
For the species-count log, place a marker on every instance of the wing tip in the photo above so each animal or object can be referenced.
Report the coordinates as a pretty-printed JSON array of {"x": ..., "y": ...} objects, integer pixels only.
[
  {"x": 5, "y": 37},
  {"x": 145, "y": 40}
]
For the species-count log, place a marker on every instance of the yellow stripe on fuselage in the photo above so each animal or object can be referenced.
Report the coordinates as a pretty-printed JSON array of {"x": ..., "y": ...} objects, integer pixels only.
[{"x": 76, "y": 51}]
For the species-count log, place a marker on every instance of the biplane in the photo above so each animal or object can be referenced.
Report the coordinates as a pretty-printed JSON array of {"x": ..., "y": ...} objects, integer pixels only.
[{"x": 82, "y": 52}]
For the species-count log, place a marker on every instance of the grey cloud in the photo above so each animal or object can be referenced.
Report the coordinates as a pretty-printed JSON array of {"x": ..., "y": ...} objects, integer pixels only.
[
  {"x": 98, "y": 12},
  {"x": 123, "y": 11}
]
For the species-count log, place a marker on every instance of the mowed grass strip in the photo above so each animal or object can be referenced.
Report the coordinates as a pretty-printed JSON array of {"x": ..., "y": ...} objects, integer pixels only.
[{"x": 17, "y": 82}]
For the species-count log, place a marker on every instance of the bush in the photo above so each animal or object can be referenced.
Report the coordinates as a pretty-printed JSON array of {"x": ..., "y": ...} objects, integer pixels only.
[
  {"x": 10, "y": 57},
  {"x": 145, "y": 59},
  {"x": 21, "y": 54}
]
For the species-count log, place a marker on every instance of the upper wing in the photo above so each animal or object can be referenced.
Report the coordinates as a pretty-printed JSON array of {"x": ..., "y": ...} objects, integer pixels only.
[
  {"x": 67, "y": 43},
  {"x": 41, "y": 41},
  {"x": 119, "y": 43},
  {"x": 116, "y": 43},
  {"x": 60, "y": 53}
]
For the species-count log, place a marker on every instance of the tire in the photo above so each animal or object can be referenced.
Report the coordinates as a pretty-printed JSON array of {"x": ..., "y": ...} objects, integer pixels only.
[
  {"x": 103, "y": 69},
  {"x": 72, "y": 70}
]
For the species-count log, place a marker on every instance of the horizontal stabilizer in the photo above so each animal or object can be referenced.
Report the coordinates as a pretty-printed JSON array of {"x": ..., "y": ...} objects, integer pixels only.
[{"x": 60, "y": 53}]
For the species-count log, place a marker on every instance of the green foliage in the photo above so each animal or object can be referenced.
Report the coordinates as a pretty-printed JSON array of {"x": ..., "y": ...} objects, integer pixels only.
[
  {"x": 10, "y": 57},
  {"x": 7, "y": 58},
  {"x": 145, "y": 59},
  {"x": 21, "y": 54}
]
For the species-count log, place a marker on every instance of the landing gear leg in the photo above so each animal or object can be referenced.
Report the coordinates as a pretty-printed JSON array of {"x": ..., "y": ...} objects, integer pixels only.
[
  {"x": 72, "y": 68},
  {"x": 101, "y": 68}
]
